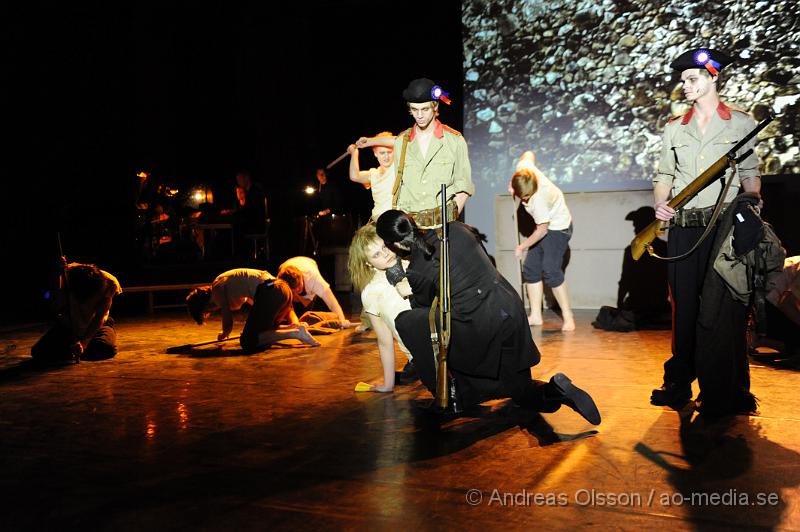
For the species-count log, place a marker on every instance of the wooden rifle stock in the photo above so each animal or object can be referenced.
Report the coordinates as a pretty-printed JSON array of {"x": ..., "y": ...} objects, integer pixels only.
[
  {"x": 442, "y": 384},
  {"x": 645, "y": 237}
]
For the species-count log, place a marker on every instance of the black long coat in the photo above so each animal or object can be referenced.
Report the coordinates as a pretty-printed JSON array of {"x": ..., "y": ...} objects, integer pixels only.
[{"x": 488, "y": 316}]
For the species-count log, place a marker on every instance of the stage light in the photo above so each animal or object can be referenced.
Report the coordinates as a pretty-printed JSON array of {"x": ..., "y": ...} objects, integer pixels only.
[{"x": 198, "y": 195}]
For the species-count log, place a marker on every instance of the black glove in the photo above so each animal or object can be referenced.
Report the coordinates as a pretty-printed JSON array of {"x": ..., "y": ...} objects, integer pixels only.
[
  {"x": 396, "y": 273},
  {"x": 748, "y": 230}
]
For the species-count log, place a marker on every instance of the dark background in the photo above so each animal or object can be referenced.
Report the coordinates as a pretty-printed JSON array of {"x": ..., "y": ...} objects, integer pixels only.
[{"x": 193, "y": 93}]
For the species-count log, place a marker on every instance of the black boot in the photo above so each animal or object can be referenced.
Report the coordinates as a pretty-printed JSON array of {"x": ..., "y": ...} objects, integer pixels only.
[
  {"x": 407, "y": 375},
  {"x": 575, "y": 398},
  {"x": 671, "y": 394}
]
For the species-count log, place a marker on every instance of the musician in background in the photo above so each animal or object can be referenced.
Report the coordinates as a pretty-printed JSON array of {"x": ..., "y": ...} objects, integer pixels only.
[
  {"x": 328, "y": 194},
  {"x": 249, "y": 214},
  {"x": 691, "y": 143},
  {"x": 251, "y": 204}
]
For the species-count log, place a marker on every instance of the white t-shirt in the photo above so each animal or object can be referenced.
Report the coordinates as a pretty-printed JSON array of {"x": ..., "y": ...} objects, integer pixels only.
[
  {"x": 379, "y": 298},
  {"x": 381, "y": 186},
  {"x": 236, "y": 287},
  {"x": 314, "y": 283},
  {"x": 547, "y": 205}
]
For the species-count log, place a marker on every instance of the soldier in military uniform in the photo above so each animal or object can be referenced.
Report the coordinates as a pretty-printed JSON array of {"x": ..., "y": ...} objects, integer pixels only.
[
  {"x": 692, "y": 142},
  {"x": 427, "y": 155}
]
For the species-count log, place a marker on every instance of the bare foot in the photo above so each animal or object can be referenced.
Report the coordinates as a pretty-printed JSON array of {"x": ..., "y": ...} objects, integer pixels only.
[
  {"x": 535, "y": 320},
  {"x": 569, "y": 324},
  {"x": 304, "y": 336}
]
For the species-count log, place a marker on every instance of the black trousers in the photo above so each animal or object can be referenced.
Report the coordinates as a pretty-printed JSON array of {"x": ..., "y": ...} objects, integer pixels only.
[
  {"x": 55, "y": 345},
  {"x": 413, "y": 327},
  {"x": 271, "y": 305},
  {"x": 685, "y": 279}
]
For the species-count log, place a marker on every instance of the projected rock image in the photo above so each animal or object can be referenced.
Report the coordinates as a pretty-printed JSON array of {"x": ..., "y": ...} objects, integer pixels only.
[{"x": 586, "y": 85}]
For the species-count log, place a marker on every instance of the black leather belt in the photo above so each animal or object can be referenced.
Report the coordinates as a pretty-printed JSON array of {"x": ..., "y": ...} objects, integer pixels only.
[{"x": 695, "y": 217}]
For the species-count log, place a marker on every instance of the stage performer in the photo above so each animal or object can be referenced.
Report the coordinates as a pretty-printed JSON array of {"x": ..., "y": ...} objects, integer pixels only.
[
  {"x": 303, "y": 277},
  {"x": 691, "y": 143},
  {"x": 491, "y": 348},
  {"x": 379, "y": 180},
  {"x": 368, "y": 262},
  {"x": 548, "y": 243},
  {"x": 271, "y": 318},
  {"x": 83, "y": 329},
  {"x": 427, "y": 155}
]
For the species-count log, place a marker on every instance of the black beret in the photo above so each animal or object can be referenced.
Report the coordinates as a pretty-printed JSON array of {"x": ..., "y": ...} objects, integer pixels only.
[
  {"x": 702, "y": 58},
  {"x": 419, "y": 91}
]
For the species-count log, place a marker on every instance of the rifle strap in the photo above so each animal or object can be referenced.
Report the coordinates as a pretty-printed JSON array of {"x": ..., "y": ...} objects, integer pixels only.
[
  {"x": 433, "y": 329},
  {"x": 400, "y": 168},
  {"x": 711, "y": 223}
]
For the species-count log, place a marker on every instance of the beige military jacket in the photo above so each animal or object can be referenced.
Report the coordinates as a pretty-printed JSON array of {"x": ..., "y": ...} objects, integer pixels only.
[
  {"x": 686, "y": 153},
  {"x": 446, "y": 161}
]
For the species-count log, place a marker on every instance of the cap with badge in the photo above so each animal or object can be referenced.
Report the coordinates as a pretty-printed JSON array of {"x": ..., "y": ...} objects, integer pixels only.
[
  {"x": 424, "y": 90},
  {"x": 711, "y": 60}
]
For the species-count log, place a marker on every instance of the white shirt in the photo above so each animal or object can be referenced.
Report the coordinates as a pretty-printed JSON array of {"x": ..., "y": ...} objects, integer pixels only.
[
  {"x": 381, "y": 186},
  {"x": 547, "y": 205},
  {"x": 236, "y": 287},
  {"x": 314, "y": 283},
  {"x": 379, "y": 298}
]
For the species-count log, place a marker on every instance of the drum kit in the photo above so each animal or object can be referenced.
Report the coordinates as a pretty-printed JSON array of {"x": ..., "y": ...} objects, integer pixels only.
[{"x": 167, "y": 217}]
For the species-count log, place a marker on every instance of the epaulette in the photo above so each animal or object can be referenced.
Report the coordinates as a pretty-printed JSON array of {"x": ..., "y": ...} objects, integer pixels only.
[
  {"x": 732, "y": 108},
  {"x": 451, "y": 130},
  {"x": 674, "y": 118}
]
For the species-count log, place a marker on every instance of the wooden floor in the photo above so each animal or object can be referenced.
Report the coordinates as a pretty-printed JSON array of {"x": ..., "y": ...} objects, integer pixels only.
[{"x": 216, "y": 440}]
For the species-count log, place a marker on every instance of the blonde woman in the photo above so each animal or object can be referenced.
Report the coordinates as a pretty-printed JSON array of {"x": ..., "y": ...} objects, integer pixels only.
[{"x": 368, "y": 261}]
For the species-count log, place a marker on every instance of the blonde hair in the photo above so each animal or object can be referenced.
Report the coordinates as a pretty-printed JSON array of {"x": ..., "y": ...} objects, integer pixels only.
[
  {"x": 361, "y": 272},
  {"x": 524, "y": 183}
]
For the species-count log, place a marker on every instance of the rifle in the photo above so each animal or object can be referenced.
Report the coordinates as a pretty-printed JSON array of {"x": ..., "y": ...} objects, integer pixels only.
[
  {"x": 442, "y": 380},
  {"x": 646, "y": 236}
]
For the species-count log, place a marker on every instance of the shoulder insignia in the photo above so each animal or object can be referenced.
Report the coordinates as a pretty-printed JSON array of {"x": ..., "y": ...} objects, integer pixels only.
[
  {"x": 676, "y": 117},
  {"x": 451, "y": 130},
  {"x": 734, "y": 108}
]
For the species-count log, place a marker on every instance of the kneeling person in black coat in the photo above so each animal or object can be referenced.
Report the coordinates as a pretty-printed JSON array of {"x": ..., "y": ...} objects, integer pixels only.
[{"x": 491, "y": 349}]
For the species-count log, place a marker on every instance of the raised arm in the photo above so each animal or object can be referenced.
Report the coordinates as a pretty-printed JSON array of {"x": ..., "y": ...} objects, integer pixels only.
[
  {"x": 368, "y": 142},
  {"x": 356, "y": 175}
]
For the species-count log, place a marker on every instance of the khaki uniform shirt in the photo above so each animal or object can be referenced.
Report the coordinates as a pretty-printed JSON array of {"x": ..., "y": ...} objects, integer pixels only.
[
  {"x": 686, "y": 153},
  {"x": 446, "y": 161}
]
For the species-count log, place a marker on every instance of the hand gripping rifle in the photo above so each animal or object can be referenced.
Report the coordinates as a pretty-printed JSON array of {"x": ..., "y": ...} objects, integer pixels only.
[
  {"x": 643, "y": 240},
  {"x": 443, "y": 390}
]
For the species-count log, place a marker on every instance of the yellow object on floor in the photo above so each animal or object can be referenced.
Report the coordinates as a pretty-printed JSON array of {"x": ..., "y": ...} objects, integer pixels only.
[{"x": 363, "y": 387}]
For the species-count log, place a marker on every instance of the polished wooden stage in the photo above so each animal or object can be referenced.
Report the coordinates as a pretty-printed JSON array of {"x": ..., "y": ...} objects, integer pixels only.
[{"x": 215, "y": 440}]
